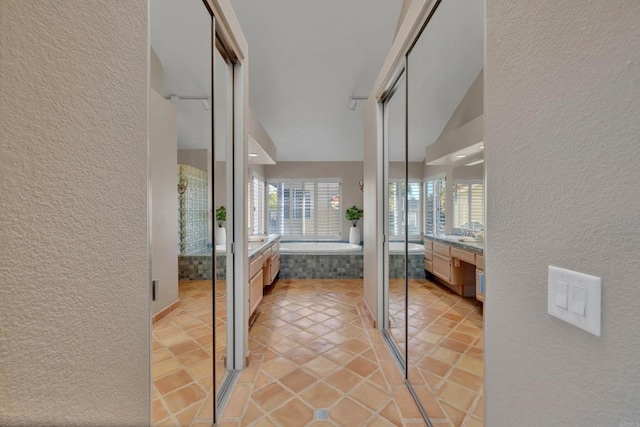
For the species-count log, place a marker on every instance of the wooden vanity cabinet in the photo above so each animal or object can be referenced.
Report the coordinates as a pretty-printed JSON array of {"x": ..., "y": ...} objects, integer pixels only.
[
  {"x": 453, "y": 266},
  {"x": 263, "y": 270},
  {"x": 480, "y": 278}
]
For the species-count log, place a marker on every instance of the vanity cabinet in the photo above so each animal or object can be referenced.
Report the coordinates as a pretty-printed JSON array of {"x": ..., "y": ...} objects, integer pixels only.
[
  {"x": 454, "y": 267},
  {"x": 263, "y": 269},
  {"x": 480, "y": 281},
  {"x": 428, "y": 256}
]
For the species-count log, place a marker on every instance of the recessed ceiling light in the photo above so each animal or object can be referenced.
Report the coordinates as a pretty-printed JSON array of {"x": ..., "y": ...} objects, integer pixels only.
[
  {"x": 481, "y": 147},
  {"x": 477, "y": 162},
  {"x": 460, "y": 156},
  {"x": 253, "y": 155}
]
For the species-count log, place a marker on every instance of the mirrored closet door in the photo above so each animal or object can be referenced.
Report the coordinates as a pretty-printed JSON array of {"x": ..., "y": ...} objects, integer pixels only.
[
  {"x": 395, "y": 172},
  {"x": 444, "y": 137}
]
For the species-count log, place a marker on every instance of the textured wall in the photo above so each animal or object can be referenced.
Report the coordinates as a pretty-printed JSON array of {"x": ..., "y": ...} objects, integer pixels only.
[
  {"x": 562, "y": 155},
  {"x": 74, "y": 347}
]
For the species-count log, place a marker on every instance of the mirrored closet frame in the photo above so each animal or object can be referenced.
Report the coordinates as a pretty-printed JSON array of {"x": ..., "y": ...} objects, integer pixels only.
[
  {"x": 401, "y": 70},
  {"x": 233, "y": 52}
]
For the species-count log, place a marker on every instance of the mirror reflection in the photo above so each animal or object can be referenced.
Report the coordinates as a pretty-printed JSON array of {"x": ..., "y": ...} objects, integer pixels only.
[{"x": 445, "y": 134}]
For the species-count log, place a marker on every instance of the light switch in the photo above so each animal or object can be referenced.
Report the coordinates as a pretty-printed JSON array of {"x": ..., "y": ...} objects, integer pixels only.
[
  {"x": 575, "y": 298},
  {"x": 579, "y": 300},
  {"x": 562, "y": 294}
]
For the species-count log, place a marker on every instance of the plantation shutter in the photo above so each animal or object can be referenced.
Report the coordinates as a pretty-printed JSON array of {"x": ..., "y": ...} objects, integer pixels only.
[
  {"x": 429, "y": 207},
  {"x": 328, "y": 209},
  {"x": 257, "y": 206},
  {"x": 440, "y": 194},
  {"x": 305, "y": 209}
]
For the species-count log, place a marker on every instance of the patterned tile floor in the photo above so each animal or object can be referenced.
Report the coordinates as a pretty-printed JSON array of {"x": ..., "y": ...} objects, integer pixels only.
[
  {"x": 445, "y": 350},
  {"x": 311, "y": 350},
  {"x": 183, "y": 356}
]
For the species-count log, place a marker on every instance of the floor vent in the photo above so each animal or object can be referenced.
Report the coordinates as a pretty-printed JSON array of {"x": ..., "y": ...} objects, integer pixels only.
[{"x": 321, "y": 414}]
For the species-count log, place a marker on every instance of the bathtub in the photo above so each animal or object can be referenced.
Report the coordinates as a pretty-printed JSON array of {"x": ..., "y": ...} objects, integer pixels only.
[
  {"x": 318, "y": 247},
  {"x": 398, "y": 248}
]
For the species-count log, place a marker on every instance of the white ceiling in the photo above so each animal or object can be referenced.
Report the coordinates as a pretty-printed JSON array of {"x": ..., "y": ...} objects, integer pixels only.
[
  {"x": 306, "y": 59},
  {"x": 442, "y": 66}
]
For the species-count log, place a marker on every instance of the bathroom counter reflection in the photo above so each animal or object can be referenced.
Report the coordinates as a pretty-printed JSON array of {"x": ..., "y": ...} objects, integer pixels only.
[{"x": 264, "y": 266}]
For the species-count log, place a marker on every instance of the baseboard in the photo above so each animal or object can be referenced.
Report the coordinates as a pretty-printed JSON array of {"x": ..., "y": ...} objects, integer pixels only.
[
  {"x": 162, "y": 313},
  {"x": 367, "y": 311}
]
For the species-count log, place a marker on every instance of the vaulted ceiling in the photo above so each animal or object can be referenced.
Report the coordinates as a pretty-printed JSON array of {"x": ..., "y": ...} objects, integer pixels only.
[{"x": 306, "y": 59}]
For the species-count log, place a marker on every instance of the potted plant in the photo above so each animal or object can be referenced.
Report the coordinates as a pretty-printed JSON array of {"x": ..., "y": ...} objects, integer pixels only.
[
  {"x": 221, "y": 231},
  {"x": 354, "y": 214}
]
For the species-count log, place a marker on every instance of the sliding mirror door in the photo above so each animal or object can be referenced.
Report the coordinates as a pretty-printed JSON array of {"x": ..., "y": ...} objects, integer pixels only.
[
  {"x": 444, "y": 86},
  {"x": 395, "y": 172},
  {"x": 223, "y": 216}
]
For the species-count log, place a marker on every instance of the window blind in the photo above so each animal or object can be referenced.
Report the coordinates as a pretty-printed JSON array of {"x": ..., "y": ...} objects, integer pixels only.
[
  {"x": 307, "y": 208},
  {"x": 468, "y": 205},
  {"x": 257, "y": 206},
  {"x": 434, "y": 205},
  {"x": 404, "y": 197}
]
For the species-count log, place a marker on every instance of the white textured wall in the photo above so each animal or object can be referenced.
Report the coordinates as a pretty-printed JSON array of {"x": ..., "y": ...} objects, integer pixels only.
[
  {"x": 163, "y": 147},
  {"x": 74, "y": 302},
  {"x": 349, "y": 172},
  {"x": 562, "y": 157}
]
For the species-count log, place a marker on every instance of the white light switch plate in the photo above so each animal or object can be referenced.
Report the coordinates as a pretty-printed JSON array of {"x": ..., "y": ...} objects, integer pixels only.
[{"x": 581, "y": 306}]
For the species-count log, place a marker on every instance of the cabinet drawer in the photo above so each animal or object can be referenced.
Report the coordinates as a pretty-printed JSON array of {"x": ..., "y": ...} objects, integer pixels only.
[
  {"x": 275, "y": 268},
  {"x": 267, "y": 253},
  {"x": 255, "y": 291},
  {"x": 480, "y": 262},
  {"x": 468, "y": 257},
  {"x": 255, "y": 265},
  {"x": 444, "y": 250},
  {"x": 480, "y": 285},
  {"x": 428, "y": 245},
  {"x": 428, "y": 255},
  {"x": 428, "y": 265},
  {"x": 442, "y": 267}
]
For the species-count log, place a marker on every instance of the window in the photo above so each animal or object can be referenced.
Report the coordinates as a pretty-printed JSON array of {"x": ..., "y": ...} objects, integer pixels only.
[
  {"x": 434, "y": 205},
  {"x": 468, "y": 205},
  {"x": 397, "y": 192},
  {"x": 305, "y": 208},
  {"x": 257, "y": 206}
]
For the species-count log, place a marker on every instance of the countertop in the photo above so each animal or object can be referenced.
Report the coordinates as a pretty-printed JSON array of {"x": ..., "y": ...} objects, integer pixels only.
[
  {"x": 256, "y": 248},
  {"x": 477, "y": 247}
]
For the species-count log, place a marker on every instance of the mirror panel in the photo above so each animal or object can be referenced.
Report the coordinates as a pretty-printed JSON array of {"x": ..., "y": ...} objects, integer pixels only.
[
  {"x": 395, "y": 225},
  {"x": 444, "y": 96}
]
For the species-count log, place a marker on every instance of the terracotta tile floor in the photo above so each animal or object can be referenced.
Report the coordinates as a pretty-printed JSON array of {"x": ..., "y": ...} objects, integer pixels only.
[
  {"x": 311, "y": 350},
  {"x": 183, "y": 356},
  {"x": 445, "y": 351}
]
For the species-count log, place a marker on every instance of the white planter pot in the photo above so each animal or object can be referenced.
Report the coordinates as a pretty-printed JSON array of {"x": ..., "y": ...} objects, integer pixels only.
[
  {"x": 354, "y": 235},
  {"x": 221, "y": 236}
]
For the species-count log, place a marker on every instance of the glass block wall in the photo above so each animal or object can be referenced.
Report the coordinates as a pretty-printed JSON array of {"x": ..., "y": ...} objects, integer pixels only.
[{"x": 193, "y": 234}]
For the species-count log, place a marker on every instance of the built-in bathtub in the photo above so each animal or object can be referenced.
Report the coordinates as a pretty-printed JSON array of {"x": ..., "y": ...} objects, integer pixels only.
[
  {"x": 415, "y": 260},
  {"x": 398, "y": 248},
  {"x": 320, "y": 260},
  {"x": 197, "y": 266}
]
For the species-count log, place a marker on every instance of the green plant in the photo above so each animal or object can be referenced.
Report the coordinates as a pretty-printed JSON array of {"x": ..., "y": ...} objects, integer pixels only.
[
  {"x": 221, "y": 215},
  {"x": 354, "y": 214}
]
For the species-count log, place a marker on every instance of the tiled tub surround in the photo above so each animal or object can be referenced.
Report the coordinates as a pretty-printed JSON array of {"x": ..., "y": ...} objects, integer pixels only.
[
  {"x": 198, "y": 266},
  {"x": 193, "y": 211},
  {"x": 321, "y": 266}
]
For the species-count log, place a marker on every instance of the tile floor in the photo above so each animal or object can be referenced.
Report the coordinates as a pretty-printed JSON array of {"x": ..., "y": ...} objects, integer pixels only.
[
  {"x": 445, "y": 350},
  {"x": 311, "y": 348},
  {"x": 183, "y": 356}
]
